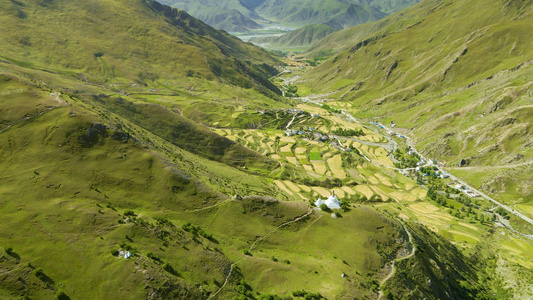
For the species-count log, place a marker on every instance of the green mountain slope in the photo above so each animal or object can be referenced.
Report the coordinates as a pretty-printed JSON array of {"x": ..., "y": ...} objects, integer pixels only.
[
  {"x": 457, "y": 74},
  {"x": 84, "y": 177},
  {"x": 160, "y": 43},
  {"x": 225, "y": 19},
  {"x": 302, "y": 37},
  {"x": 99, "y": 164},
  {"x": 337, "y": 14},
  {"x": 391, "y": 6}
]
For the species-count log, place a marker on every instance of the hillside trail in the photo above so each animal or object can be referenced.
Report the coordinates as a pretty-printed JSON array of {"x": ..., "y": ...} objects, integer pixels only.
[
  {"x": 211, "y": 206},
  {"x": 29, "y": 118},
  {"x": 61, "y": 102},
  {"x": 393, "y": 263},
  {"x": 232, "y": 267},
  {"x": 290, "y": 123}
]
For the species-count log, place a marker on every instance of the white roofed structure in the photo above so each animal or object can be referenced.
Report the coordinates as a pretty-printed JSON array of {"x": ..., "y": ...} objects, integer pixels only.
[{"x": 332, "y": 202}]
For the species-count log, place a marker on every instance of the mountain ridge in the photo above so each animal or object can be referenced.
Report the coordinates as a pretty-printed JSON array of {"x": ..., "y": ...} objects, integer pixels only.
[
  {"x": 337, "y": 14},
  {"x": 95, "y": 64},
  {"x": 400, "y": 74}
]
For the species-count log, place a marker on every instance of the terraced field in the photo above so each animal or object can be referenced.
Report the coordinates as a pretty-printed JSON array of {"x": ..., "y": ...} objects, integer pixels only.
[{"x": 387, "y": 189}]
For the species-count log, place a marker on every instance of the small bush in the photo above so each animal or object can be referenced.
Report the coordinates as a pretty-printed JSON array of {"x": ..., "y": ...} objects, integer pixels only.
[
  {"x": 299, "y": 293},
  {"x": 324, "y": 207},
  {"x": 153, "y": 257},
  {"x": 269, "y": 297},
  {"x": 114, "y": 252},
  {"x": 129, "y": 213},
  {"x": 60, "y": 295},
  {"x": 167, "y": 267},
  {"x": 38, "y": 273}
]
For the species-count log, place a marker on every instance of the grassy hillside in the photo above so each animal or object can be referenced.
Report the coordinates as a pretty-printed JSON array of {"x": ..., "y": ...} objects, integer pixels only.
[
  {"x": 160, "y": 43},
  {"x": 300, "y": 38},
  {"x": 337, "y": 14},
  {"x": 195, "y": 178},
  {"x": 391, "y": 6},
  {"x": 85, "y": 175},
  {"x": 457, "y": 76},
  {"x": 344, "y": 39}
]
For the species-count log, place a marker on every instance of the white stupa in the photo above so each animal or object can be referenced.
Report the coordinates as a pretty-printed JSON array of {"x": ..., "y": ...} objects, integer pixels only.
[{"x": 332, "y": 202}]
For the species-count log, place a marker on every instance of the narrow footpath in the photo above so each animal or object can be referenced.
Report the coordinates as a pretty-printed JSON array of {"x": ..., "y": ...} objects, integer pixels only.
[
  {"x": 252, "y": 246},
  {"x": 394, "y": 261}
]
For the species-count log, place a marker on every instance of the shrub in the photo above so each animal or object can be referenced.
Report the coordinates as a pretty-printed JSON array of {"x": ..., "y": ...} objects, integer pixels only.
[
  {"x": 38, "y": 273},
  {"x": 324, "y": 207},
  {"x": 130, "y": 213},
  {"x": 167, "y": 267},
  {"x": 60, "y": 295},
  {"x": 269, "y": 297},
  {"x": 299, "y": 293},
  {"x": 154, "y": 257},
  {"x": 114, "y": 252}
]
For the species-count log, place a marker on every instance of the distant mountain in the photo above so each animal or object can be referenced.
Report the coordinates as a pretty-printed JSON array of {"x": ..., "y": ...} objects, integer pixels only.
[
  {"x": 302, "y": 37},
  {"x": 240, "y": 15},
  {"x": 456, "y": 73},
  {"x": 337, "y": 14},
  {"x": 228, "y": 15},
  {"x": 230, "y": 20},
  {"x": 390, "y": 6}
]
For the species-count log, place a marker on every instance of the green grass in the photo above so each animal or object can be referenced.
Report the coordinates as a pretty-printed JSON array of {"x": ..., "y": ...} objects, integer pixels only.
[
  {"x": 117, "y": 166},
  {"x": 315, "y": 156},
  {"x": 141, "y": 49},
  {"x": 439, "y": 90}
]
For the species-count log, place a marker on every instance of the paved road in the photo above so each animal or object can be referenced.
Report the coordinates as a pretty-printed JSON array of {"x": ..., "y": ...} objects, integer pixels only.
[
  {"x": 411, "y": 144},
  {"x": 462, "y": 182}
]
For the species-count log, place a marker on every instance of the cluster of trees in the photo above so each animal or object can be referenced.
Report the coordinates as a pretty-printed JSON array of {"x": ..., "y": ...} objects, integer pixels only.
[
  {"x": 326, "y": 183},
  {"x": 331, "y": 109},
  {"x": 502, "y": 212},
  {"x": 291, "y": 91},
  {"x": 405, "y": 160},
  {"x": 307, "y": 295},
  {"x": 348, "y": 132},
  {"x": 466, "y": 211},
  {"x": 244, "y": 288},
  {"x": 196, "y": 231},
  {"x": 434, "y": 195}
]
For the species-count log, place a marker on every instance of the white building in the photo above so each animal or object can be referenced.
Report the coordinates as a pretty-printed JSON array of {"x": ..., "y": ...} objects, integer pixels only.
[{"x": 332, "y": 202}]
